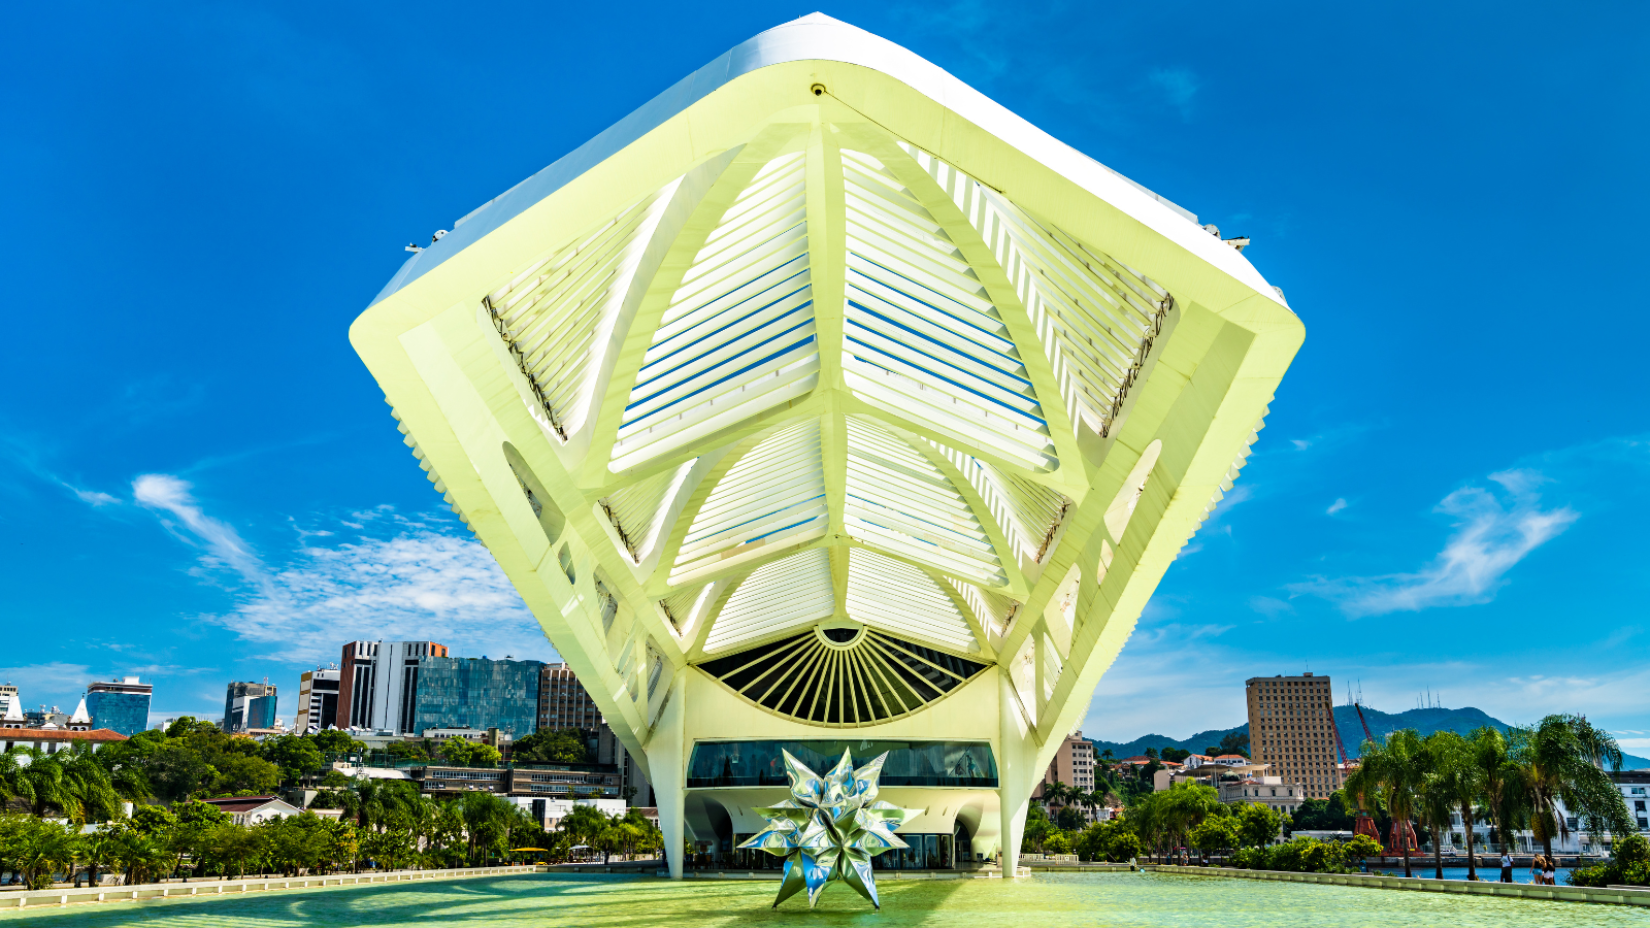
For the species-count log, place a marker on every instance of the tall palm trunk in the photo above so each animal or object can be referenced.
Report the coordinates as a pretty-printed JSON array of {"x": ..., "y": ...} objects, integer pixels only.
[{"x": 1466, "y": 825}]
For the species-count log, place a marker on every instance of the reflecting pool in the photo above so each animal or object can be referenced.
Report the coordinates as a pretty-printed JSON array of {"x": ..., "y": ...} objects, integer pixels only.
[{"x": 1129, "y": 900}]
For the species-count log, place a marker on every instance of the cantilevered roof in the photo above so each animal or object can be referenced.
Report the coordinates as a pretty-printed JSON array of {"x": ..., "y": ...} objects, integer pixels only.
[{"x": 828, "y": 374}]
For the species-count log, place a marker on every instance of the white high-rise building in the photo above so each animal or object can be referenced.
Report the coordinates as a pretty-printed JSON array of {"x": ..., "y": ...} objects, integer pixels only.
[
  {"x": 823, "y": 404},
  {"x": 378, "y": 684}
]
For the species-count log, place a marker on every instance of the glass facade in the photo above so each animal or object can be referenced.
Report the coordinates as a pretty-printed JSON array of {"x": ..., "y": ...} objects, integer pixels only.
[
  {"x": 127, "y": 713},
  {"x": 963, "y": 764},
  {"x": 455, "y": 692}
]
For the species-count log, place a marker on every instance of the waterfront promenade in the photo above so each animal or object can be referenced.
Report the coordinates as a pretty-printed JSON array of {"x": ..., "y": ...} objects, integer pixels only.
[{"x": 1111, "y": 900}]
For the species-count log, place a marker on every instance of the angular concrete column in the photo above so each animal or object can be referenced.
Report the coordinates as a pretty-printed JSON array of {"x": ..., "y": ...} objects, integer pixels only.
[{"x": 667, "y": 768}]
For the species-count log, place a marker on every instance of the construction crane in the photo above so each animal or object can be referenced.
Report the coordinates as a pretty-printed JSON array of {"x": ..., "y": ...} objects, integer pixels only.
[{"x": 1403, "y": 833}]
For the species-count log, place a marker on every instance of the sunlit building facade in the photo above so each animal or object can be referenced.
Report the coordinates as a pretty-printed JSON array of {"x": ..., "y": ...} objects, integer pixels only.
[{"x": 823, "y": 403}]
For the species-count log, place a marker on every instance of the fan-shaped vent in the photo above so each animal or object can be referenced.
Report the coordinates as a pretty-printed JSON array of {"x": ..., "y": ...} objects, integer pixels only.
[{"x": 875, "y": 678}]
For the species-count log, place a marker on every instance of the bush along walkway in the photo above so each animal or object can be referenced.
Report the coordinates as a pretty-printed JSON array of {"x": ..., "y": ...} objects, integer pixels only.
[{"x": 1610, "y": 895}]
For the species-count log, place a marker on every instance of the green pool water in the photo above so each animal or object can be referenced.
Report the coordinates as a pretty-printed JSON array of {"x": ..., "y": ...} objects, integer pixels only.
[{"x": 1058, "y": 900}]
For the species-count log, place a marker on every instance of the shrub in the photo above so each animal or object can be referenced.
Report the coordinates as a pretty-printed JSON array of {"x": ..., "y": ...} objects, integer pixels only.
[
  {"x": 1301, "y": 855},
  {"x": 1629, "y": 866}
]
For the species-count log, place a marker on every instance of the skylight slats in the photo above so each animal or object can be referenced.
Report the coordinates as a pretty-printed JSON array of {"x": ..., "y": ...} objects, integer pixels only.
[
  {"x": 775, "y": 493},
  {"x": 739, "y": 335},
  {"x": 555, "y": 313},
  {"x": 1028, "y": 512},
  {"x": 1097, "y": 317},
  {"x": 775, "y": 597},
  {"x": 921, "y": 337},
  {"x": 898, "y": 501},
  {"x": 888, "y": 594},
  {"x": 637, "y": 511}
]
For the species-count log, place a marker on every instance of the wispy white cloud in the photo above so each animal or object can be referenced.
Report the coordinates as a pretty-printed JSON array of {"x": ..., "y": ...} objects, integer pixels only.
[
  {"x": 393, "y": 578},
  {"x": 417, "y": 584},
  {"x": 169, "y": 494},
  {"x": 1335, "y": 507},
  {"x": 92, "y": 498},
  {"x": 56, "y": 681},
  {"x": 1493, "y": 533}
]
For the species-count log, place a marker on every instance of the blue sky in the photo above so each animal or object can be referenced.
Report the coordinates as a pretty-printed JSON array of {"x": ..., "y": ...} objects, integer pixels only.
[{"x": 200, "y": 482}]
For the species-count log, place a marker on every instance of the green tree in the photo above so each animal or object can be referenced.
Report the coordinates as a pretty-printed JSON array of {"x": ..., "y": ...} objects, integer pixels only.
[
  {"x": 1214, "y": 833},
  {"x": 1257, "y": 825},
  {"x": 551, "y": 746},
  {"x": 333, "y": 741},
  {"x": 1564, "y": 757},
  {"x": 297, "y": 757}
]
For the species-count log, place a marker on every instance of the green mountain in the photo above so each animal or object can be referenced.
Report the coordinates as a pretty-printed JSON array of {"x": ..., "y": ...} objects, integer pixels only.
[{"x": 1425, "y": 721}]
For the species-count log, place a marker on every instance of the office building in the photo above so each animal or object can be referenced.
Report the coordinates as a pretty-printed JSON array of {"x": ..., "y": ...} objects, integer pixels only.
[
  {"x": 377, "y": 683},
  {"x": 474, "y": 692},
  {"x": 317, "y": 699},
  {"x": 9, "y": 703},
  {"x": 122, "y": 706},
  {"x": 822, "y": 403},
  {"x": 1292, "y": 730},
  {"x": 564, "y": 702},
  {"x": 249, "y": 706}
]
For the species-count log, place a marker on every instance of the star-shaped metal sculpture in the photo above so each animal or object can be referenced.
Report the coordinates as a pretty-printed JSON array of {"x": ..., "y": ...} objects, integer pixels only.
[{"x": 830, "y": 828}]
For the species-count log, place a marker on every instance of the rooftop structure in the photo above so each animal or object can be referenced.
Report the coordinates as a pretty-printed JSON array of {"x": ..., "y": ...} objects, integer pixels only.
[{"x": 821, "y": 403}]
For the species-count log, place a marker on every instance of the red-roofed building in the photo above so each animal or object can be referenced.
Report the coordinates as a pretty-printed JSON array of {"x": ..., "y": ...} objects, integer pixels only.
[
  {"x": 250, "y": 810},
  {"x": 52, "y": 740}
]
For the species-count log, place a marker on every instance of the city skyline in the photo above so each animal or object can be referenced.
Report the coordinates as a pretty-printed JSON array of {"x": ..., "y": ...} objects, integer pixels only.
[{"x": 1378, "y": 535}]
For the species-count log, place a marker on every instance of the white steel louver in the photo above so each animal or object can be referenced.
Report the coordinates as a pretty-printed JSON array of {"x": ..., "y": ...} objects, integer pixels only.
[
  {"x": 899, "y": 501},
  {"x": 555, "y": 315},
  {"x": 774, "y": 598},
  {"x": 921, "y": 338},
  {"x": 1096, "y": 317},
  {"x": 636, "y": 512},
  {"x": 739, "y": 334},
  {"x": 1029, "y": 513},
  {"x": 773, "y": 496},
  {"x": 888, "y": 594}
]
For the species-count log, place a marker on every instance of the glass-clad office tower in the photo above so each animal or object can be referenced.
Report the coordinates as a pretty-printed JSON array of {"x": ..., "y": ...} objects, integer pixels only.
[
  {"x": 249, "y": 706},
  {"x": 455, "y": 692},
  {"x": 122, "y": 706}
]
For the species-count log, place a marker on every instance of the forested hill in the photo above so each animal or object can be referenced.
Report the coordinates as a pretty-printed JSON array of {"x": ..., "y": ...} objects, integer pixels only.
[{"x": 1381, "y": 723}]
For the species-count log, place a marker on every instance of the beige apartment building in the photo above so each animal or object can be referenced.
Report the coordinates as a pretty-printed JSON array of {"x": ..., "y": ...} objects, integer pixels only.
[
  {"x": 1292, "y": 729},
  {"x": 1073, "y": 765}
]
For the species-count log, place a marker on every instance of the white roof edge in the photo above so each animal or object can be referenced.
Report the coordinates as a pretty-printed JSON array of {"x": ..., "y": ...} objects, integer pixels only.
[{"x": 817, "y": 37}]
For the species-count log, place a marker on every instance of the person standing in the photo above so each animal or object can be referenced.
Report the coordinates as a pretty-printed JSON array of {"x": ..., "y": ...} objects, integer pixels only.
[
  {"x": 1536, "y": 866},
  {"x": 1506, "y": 867}
]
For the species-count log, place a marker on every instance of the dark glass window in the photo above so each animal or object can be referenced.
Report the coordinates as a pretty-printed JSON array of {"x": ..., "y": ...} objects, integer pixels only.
[{"x": 963, "y": 764}]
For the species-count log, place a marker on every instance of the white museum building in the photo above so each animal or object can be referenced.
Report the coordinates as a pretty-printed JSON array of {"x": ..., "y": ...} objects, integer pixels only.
[{"x": 824, "y": 403}]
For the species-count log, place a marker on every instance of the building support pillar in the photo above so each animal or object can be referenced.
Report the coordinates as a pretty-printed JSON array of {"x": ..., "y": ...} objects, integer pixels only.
[
  {"x": 1014, "y": 781},
  {"x": 667, "y": 765}
]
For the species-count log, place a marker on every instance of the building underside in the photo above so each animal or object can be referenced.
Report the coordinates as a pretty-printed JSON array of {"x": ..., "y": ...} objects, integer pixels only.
[{"x": 824, "y": 403}]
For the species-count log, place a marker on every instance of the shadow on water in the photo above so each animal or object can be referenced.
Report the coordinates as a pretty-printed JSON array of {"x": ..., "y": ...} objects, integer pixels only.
[{"x": 540, "y": 901}]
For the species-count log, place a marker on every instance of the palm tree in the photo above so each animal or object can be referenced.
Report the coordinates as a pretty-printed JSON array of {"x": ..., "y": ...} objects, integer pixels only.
[
  {"x": 1563, "y": 758},
  {"x": 1454, "y": 774},
  {"x": 1398, "y": 770},
  {"x": 1506, "y": 792},
  {"x": 1434, "y": 805}
]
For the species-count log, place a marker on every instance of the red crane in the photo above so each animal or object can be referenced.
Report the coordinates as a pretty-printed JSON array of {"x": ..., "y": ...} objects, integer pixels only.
[{"x": 1403, "y": 833}]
